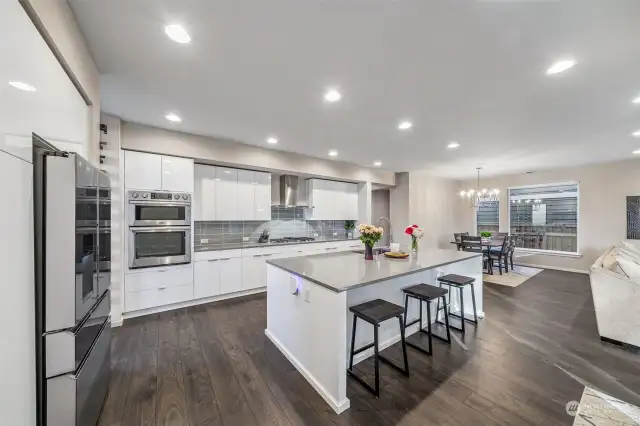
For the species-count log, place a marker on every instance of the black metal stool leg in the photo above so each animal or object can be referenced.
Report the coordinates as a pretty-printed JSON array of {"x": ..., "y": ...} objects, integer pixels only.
[
  {"x": 429, "y": 326},
  {"x": 376, "y": 359},
  {"x": 404, "y": 347},
  {"x": 353, "y": 342},
  {"x": 446, "y": 320},
  {"x": 406, "y": 309},
  {"x": 473, "y": 301},
  {"x": 462, "y": 321}
]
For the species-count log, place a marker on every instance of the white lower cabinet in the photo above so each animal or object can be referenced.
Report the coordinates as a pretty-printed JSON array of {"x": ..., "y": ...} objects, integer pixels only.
[
  {"x": 254, "y": 272},
  {"x": 150, "y": 288},
  {"x": 230, "y": 275},
  {"x": 206, "y": 279}
]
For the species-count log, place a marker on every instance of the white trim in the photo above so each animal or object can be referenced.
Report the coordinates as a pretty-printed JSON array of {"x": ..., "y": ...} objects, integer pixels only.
[
  {"x": 116, "y": 323},
  {"x": 549, "y": 252},
  {"x": 555, "y": 268},
  {"x": 338, "y": 407},
  {"x": 540, "y": 185},
  {"x": 158, "y": 309}
]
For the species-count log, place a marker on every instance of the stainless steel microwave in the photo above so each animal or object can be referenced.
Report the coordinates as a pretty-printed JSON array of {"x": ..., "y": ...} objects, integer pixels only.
[{"x": 159, "y": 208}]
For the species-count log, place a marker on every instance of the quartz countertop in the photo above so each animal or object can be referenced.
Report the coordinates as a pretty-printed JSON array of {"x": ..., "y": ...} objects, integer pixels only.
[
  {"x": 255, "y": 244},
  {"x": 347, "y": 270}
]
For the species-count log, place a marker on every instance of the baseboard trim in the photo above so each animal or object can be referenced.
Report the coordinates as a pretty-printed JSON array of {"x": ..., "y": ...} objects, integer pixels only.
[
  {"x": 555, "y": 268},
  {"x": 189, "y": 303},
  {"x": 115, "y": 324},
  {"x": 338, "y": 407}
]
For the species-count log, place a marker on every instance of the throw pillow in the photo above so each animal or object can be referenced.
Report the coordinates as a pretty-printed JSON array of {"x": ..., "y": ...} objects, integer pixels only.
[{"x": 630, "y": 268}]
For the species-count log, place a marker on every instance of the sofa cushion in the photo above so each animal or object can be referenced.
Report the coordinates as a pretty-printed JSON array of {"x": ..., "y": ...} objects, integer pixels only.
[
  {"x": 610, "y": 262},
  {"x": 630, "y": 268},
  {"x": 629, "y": 250}
]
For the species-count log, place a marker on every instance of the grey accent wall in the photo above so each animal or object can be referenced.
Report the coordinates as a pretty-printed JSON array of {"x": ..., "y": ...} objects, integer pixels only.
[
  {"x": 380, "y": 207},
  {"x": 285, "y": 222}
]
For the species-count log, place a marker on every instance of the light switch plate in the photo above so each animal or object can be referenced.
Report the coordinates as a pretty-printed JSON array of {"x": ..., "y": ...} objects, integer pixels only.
[
  {"x": 204, "y": 240},
  {"x": 315, "y": 235},
  {"x": 335, "y": 234},
  {"x": 245, "y": 239},
  {"x": 292, "y": 285},
  {"x": 307, "y": 295}
]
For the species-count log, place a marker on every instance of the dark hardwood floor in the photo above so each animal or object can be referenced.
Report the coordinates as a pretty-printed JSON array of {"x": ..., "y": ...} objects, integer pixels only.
[{"x": 212, "y": 365}]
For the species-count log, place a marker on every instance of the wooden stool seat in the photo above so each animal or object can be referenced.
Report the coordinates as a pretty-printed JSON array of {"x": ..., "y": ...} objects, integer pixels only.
[
  {"x": 425, "y": 292},
  {"x": 377, "y": 310},
  {"x": 457, "y": 280}
]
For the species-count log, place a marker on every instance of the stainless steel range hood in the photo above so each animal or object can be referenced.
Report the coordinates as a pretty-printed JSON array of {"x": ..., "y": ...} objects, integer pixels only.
[{"x": 289, "y": 186}]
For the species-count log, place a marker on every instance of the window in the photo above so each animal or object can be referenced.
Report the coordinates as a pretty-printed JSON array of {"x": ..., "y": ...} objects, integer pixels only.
[
  {"x": 545, "y": 217},
  {"x": 487, "y": 217}
]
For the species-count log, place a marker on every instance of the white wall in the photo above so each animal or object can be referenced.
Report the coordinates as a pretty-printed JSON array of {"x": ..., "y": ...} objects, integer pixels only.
[
  {"x": 399, "y": 209},
  {"x": 139, "y": 137},
  {"x": 602, "y": 207}
]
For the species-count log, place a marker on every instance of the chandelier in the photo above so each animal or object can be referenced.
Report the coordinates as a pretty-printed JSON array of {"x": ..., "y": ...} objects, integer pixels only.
[{"x": 481, "y": 196}]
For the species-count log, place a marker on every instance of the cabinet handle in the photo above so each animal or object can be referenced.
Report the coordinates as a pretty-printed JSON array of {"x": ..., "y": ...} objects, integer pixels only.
[
  {"x": 259, "y": 255},
  {"x": 212, "y": 260},
  {"x": 163, "y": 270},
  {"x": 226, "y": 258},
  {"x": 162, "y": 288},
  {"x": 265, "y": 255}
]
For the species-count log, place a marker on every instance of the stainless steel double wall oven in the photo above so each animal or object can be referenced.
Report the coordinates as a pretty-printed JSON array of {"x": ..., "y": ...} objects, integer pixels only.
[
  {"x": 159, "y": 228},
  {"x": 72, "y": 216}
]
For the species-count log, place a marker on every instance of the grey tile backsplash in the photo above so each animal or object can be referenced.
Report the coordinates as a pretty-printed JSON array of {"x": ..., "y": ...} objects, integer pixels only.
[{"x": 285, "y": 222}]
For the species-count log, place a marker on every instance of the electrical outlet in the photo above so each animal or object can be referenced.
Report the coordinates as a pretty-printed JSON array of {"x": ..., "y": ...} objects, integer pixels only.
[
  {"x": 315, "y": 235},
  {"x": 307, "y": 295},
  {"x": 293, "y": 286},
  {"x": 204, "y": 240},
  {"x": 335, "y": 234},
  {"x": 245, "y": 239}
]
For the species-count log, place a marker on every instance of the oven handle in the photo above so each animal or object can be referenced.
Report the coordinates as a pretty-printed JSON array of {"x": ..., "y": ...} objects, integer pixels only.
[
  {"x": 154, "y": 229},
  {"x": 161, "y": 203}
]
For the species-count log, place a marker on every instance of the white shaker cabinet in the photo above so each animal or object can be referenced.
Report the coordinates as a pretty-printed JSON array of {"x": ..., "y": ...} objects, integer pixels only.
[
  {"x": 177, "y": 174},
  {"x": 143, "y": 171},
  {"x": 204, "y": 193},
  {"x": 331, "y": 200},
  {"x": 206, "y": 279},
  {"x": 262, "y": 196},
  {"x": 351, "y": 201},
  {"x": 246, "y": 195},
  {"x": 226, "y": 195},
  {"x": 254, "y": 272}
]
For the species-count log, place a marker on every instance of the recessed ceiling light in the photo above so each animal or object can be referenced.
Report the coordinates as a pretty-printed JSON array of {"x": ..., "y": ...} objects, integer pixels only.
[
  {"x": 333, "y": 153},
  {"x": 636, "y": 152},
  {"x": 405, "y": 125},
  {"x": 22, "y": 86},
  {"x": 453, "y": 145},
  {"x": 636, "y": 100},
  {"x": 177, "y": 33},
  {"x": 332, "y": 95},
  {"x": 560, "y": 66},
  {"x": 636, "y": 134},
  {"x": 377, "y": 163},
  {"x": 272, "y": 140},
  {"x": 173, "y": 117}
]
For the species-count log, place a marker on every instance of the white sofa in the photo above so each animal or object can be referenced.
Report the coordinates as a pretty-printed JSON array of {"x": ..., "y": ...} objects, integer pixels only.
[{"x": 615, "y": 284}]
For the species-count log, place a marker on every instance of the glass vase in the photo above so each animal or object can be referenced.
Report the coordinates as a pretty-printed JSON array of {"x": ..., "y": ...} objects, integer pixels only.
[
  {"x": 414, "y": 244},
  {"x": 368, "y": 252}
]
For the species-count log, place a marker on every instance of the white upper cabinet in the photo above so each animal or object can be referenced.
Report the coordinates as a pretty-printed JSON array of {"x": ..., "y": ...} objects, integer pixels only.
[
  {"x": 204, "y": 193},
  {"x": 329, "y": 200},
  {"x": 226, "y": 195},
  {"x": 143, "y": 171},
  {"x": 262, "y": 196},
  {"x": 246, "y": 195},
  {"x": 153, "y": 172},
  {"x": 177, "y": 174}
]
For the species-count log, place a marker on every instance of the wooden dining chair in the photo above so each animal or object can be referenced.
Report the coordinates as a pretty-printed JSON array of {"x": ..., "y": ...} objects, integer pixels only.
[
  {"x": 474, "y": 245},
  {"x": 458, "y": 238},
  {"x": 500, "y": 256},
  {"x": 513, "y": 243}
]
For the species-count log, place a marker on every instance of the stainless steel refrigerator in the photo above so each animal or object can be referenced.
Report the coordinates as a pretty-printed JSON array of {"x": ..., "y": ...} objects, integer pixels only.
[{"x": 72, "y": 217}]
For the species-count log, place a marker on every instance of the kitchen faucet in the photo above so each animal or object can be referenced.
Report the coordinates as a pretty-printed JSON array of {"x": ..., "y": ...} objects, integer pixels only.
[{"x": 390, "y": 230}]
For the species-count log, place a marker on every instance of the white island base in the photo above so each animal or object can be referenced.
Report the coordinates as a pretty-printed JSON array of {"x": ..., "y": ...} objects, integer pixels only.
[{"x": 308, "y": 300}]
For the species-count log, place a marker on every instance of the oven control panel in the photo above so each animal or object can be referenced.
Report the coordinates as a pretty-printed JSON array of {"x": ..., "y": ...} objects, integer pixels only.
[{"x": 159, "y": 196}]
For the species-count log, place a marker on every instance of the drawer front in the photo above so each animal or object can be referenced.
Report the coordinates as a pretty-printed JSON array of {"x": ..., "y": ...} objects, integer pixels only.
[
  {"x": 158, "y": 297},
  {"x": 77, "y": 399},
  {"x": 217, "y": 254},
  {"x": 264, "y": 251},
  {"x": 159, "y": 278}
]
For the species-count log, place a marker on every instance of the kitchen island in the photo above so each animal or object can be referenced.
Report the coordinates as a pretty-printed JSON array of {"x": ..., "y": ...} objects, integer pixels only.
[{"x": 308, "y": 299}]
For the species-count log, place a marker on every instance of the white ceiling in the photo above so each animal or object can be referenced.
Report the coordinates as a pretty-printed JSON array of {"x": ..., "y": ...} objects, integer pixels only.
[{"x": 462, "y": 70}]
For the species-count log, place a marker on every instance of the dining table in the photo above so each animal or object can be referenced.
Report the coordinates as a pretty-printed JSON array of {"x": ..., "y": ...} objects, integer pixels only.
[{"x": 485, "y": 243}]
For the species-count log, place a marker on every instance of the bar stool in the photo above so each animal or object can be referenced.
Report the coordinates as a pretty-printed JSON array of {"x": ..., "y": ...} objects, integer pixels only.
[
  {"x": 459, "y": 282},
  {"x": 426, "y": 293},
  {"x": 375, "y": 312}
]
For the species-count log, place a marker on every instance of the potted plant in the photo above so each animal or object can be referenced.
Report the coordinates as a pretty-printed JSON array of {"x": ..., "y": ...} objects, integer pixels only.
[
  {"x": 415, "y": 232},
  {"x": 369, "y": 235},
  {"x": 349, "y": 226},
  {"x": 485, "y": 235}
]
